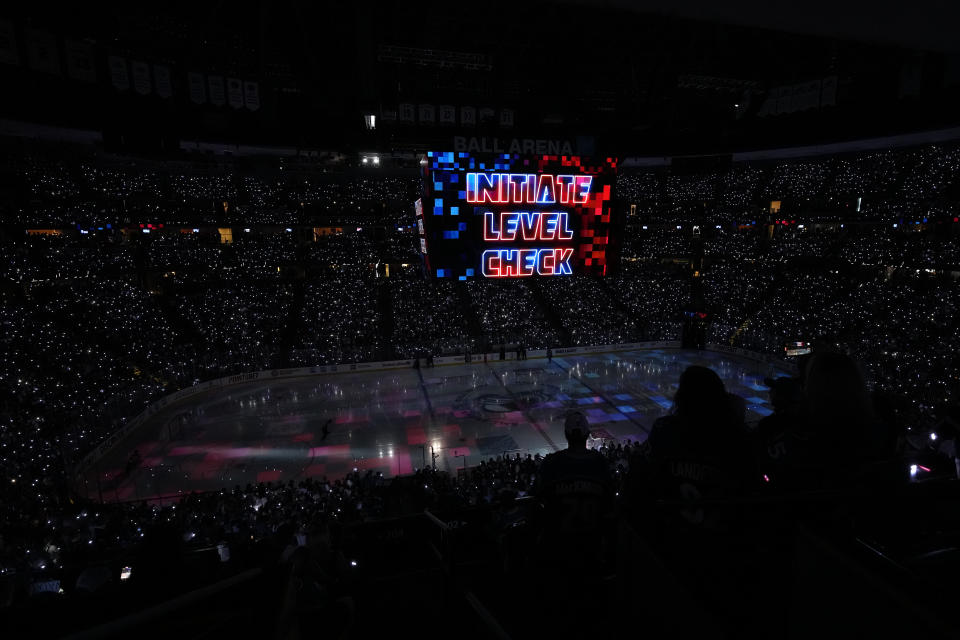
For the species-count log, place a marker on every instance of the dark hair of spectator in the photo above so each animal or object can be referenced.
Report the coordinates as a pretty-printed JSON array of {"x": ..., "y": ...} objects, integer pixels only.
[
  {"x": 836, "y": 393},
  {"x": 701, "y": 399}
]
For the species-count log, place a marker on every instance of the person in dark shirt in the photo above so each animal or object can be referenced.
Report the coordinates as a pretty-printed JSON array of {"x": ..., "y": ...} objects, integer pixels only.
[
  {"x": 576, "y": 490},
  {"x": 700, "y": 451},
  {"x": 786, "y": 396},
  {"x": 785, "y": 446},
  {"x": 854, "y": 448},
  {"x": 684, "y": 485}
]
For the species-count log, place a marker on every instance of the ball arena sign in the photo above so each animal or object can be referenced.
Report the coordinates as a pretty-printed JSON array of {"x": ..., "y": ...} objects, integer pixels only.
[{"x": 509, "y": 216}]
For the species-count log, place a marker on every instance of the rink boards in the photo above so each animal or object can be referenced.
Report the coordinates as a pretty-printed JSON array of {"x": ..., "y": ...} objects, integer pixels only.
[{"x": 391, "y": 418}]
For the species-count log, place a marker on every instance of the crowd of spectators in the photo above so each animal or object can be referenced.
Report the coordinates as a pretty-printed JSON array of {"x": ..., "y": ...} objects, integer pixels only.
[
  {"x": 429, "y": 317},
  {"x": 508, "y": 314},
  {"x": 884, "y": 185},
  {"x": 589, "y": 311},
  {"x": 97, "y": 325},
  {"x": 653, "y": 297},
  {"x": 338, "y": 322},
  {"x": 46, "y": 535}
]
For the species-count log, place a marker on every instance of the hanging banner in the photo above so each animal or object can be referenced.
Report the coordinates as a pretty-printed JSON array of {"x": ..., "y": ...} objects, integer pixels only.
[
  {"x": 161, "y": 81},
  {"x": 217, "y": 94},
  {"x": 468, "y": 116},
  {"x": 506, "y": 117},
  {"x": 141, "y": 77},
  {"x": 251, "y": 95},
  {"x": 407, "y": 112},
  {"x": 8, "y": 44},
  {"x": 198, "y": 89},
  {"x": 427, "y": 115},
  {"x": 448, "y": 114},
  {"x": 486, "y": 115},
  {"x": 80, "y": 61},
  {"x": 42, "y": 53},
  {"x": 119, "y": 76},
  {"x": 234, "y": 93}
]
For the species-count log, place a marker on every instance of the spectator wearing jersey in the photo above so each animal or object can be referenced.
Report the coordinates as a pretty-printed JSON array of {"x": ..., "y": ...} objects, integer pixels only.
[
  {"x": 699, "y": 451},
  {"x": 784, "y": 444},
  {"x": 685, "y": 481},
  {"x": 576, "y": 490},
  {"x": 786, "y": 396}
]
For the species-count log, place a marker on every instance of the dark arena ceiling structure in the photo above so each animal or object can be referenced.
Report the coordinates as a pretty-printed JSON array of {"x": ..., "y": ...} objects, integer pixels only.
[{"x": 651, "y": 77}]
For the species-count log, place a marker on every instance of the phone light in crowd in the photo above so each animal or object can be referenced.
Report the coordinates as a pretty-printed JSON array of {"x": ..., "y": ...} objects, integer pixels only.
[
  {"x": 289, "y": 230},
  {"x": 353, "y": 563},
  {"x": 678, "y": 226},
  {"x": 246, "y": 230},
  {"x": 913, "y": 471},
  {"x": 196, "y": 230},
  {"x": 370, "y": 121},
  {"x": 895, "y": 225},
  {"x": 933, "y": 437},
  {"x": 644, "y": 227},
  {"x": 125, "y": 573},
  {"x": 718, "y": 226}
]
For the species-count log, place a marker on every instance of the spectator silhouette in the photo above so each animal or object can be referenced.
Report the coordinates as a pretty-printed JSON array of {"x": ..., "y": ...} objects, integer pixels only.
[
  {"x": 694, "y": 461},
  {"x": 782, "y": 440},
  {"x": 699, "y": 451},
  {"x": 575, "y": 489},
  {"x": 852, "y": 445}
]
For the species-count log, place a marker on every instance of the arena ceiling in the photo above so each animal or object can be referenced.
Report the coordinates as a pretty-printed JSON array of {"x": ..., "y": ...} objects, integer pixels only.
[
  {"x": 929, "y": 25},
  {"x": 651, "y": 76}
]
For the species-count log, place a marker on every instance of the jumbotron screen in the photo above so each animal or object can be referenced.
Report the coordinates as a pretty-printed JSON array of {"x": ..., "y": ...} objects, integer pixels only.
[{"x": 513, "y": 216}]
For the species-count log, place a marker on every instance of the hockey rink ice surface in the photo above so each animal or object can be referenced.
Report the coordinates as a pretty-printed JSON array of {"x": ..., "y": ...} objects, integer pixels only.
[{"x": 393, "y": 421}]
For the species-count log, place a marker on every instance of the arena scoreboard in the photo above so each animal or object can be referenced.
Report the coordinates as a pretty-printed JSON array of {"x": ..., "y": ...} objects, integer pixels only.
[{"x": 515, "y": 216}]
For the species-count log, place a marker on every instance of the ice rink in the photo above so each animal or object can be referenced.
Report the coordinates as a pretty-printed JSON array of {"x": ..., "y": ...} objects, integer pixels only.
[{"x": 395, "y": 421}]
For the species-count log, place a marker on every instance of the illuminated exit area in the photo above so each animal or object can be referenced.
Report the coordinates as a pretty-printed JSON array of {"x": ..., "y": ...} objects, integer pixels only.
[{"x": 514, "y": 216}]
